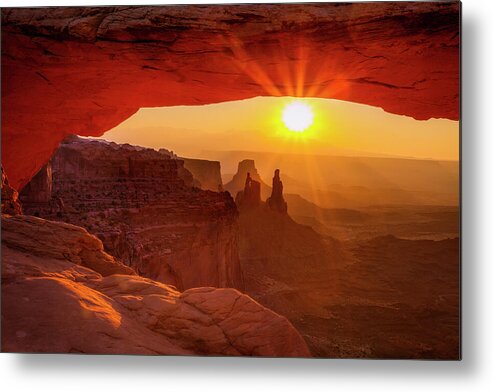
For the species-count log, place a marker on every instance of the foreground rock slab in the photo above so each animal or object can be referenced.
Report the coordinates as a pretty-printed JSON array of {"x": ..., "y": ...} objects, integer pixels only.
[{"x": 59, "y": 295}]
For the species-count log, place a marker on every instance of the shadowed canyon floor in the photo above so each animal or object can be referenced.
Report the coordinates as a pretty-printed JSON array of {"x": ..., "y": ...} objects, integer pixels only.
[
  {"x": 381, "y": 298},
  {"x": 407, "y": 221}
]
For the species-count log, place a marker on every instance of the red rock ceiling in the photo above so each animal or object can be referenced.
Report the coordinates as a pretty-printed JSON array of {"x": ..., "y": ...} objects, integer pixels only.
[{"x": 85, "y": 70}]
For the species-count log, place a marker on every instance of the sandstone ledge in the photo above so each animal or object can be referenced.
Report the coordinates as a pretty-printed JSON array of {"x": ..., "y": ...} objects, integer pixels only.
[{"x": 52, "y": 302}]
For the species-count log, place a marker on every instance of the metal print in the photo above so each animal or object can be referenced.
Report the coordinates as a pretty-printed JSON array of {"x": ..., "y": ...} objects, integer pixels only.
[{"x": 275, "y": 180}]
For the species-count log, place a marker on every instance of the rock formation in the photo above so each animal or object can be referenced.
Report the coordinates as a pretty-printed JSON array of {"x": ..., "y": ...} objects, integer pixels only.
[
  {"x": 246, "y": 168},
  {"x": 39, "y": 189},
  {"x": 10, "y": 198},
  {"x": 58, "y": 64},
  {"x": 250, "y": 196},
  {"x": 59, "y": 241},
  {"x": 61, "y": 293},
  {"x": 276, "y": 201},
  {"x": 207, "y": 173},
  {"x": 141, "y": 204},
  {"x": 251, "y": 193}
]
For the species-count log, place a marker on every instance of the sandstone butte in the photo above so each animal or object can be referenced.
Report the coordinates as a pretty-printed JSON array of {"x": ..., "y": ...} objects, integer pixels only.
[
  {"x": 237, "y": 183},
  {"x": 62, "y": 293},
  {"x": 85, "y": 70}
]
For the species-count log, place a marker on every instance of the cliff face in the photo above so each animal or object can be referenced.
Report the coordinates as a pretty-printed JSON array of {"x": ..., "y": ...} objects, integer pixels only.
[
  {"x": 207, "y": 173},
  {"x": 142, "y": 206},
  {"x": 10, "y": 198},
  {"x": 61, "y": 293},
  {"x": 58, "y": 64},
  {"x": 39, "y": 189}
]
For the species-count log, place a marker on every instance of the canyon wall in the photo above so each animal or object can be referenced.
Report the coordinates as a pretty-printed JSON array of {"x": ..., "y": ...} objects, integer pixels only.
[
  {"x": 10, "y": 197},
  {"x": 84, "y": 70},
  {"x": 142, "y": 205},
  {"x": 207, "y": 173}
]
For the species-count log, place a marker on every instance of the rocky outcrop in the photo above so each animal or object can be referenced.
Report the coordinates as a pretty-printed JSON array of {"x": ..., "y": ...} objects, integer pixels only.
[
  {"x": 276, "y": 201},
  {"x": 246, "y": 168},
  {"x": 58, "y": 64},
  {"x": 142, "y": 206},
  {"x": 39, "y": 189},
  {"x": 61, "y": 293},
  {"x": 10, "y": 198},
  {"x": 250, "y": 196},
  {"x": 60, "y": 241},
  {"x": 207, "y": 173}
]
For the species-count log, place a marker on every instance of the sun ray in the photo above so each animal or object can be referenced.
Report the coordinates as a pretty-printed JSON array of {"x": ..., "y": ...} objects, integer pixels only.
[{"x": 247, "y": 64}]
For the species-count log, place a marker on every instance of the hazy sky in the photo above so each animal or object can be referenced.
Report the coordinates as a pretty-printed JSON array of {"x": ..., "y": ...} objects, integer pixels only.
[{"x": 339, "y": 128}]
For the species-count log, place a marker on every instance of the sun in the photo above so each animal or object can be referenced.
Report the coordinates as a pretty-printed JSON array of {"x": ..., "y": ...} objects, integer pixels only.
[{"x": 297, "y": 116}]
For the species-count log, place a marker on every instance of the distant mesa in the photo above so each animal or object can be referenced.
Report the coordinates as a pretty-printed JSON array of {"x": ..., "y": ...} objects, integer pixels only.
[
  {"x": 251, "y": 194},
  {"x": 237, "y": 183}
]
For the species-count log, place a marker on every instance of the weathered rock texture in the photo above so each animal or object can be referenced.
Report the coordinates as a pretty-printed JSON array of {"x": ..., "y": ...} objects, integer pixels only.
[
  {"x": 40, "y": 188},
  {"x": 207, "y": 173},
  {"x": 62, "y": 293},
  {"x": 276, "y": 201},
  {"x": 140, "y": 203},
  {"x": 60, "y": 241},
  {"x": 10, "y": 198},
  {"x": 85, "y": 70}
]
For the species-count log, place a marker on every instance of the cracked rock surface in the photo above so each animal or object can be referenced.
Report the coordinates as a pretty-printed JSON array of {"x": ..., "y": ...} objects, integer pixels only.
[{"x": 84, "y": 70}]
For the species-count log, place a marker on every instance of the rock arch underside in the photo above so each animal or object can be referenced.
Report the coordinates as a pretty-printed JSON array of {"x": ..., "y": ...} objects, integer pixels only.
[{"x": 82, "y": 71}]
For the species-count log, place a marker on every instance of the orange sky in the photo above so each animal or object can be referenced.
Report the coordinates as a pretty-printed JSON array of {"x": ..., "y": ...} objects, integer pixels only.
[{"x": 339, "y": 128}]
